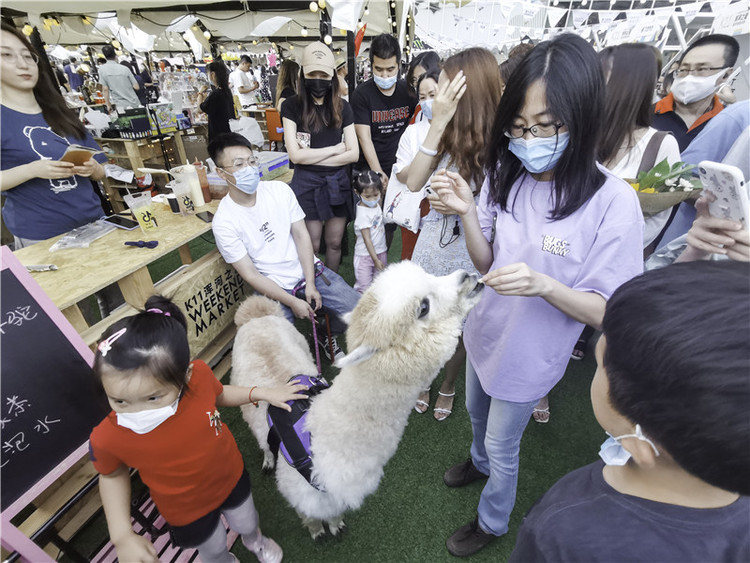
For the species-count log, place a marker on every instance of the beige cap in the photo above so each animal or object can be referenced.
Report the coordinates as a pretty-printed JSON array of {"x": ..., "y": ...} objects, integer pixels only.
[{"x": 318, "y": 56}]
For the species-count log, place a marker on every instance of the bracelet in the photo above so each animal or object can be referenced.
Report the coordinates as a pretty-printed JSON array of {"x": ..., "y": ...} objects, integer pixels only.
[
  {"x": 429, "y": 152},
  {"x": 250, "y": 396}
]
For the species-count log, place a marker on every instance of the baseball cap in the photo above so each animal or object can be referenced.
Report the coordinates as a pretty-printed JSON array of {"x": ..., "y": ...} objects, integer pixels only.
[{"x": 318, "y": 56}]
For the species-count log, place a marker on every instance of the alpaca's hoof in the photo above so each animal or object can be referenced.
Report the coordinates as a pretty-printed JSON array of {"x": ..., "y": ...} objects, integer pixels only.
[
  {"x": 315, "y": 527},
  {"x": 269, "y": 463},
  {"x": 336, "y": 527}
]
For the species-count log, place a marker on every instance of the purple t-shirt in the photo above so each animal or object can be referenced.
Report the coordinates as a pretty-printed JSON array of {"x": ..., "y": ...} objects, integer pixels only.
[
  {"x": 520, "y": 346},
  {"x": 40, "y": 209}
]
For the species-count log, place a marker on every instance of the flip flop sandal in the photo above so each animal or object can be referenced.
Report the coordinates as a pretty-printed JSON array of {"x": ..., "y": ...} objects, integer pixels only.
[
  {"x": 422, "y": 406},
  {"x": 543, "y": 411},
  {"x": 579, "y": 351},
  {"x": 446, "y": 412}
]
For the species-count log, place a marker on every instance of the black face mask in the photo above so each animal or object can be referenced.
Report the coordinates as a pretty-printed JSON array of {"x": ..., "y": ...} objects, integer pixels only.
[{"x": 318, "y": 87}]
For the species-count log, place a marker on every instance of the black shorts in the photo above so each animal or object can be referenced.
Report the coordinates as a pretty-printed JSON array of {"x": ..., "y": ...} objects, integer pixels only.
[{"x": 195, "y": 533}]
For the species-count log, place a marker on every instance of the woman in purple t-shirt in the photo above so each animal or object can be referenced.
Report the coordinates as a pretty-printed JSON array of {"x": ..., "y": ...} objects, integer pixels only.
[{"x": 554, "y": 234}]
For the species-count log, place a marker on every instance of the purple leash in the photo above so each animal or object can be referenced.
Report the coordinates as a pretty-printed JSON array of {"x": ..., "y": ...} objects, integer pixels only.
[{"x": 317, "y": 346}]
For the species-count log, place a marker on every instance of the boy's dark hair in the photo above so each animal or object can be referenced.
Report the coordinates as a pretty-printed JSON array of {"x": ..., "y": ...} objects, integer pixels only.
[
  {"x": 385, "y": 46},
  {"x": 246, "y": 59},
  {"x": 731, "y": 47},
  {"x": 678, "y": 363},
  {"x": 153, "y": 341},
  {"x": 224, "y": 141},
  {"x": 569, "y": 68},
  {"x": 367, "y": 179},
  {"x": 109, "y": 52}
]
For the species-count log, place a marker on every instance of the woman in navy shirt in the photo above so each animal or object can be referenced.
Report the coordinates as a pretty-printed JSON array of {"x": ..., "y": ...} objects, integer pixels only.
[{"x": 44, "y": 197}]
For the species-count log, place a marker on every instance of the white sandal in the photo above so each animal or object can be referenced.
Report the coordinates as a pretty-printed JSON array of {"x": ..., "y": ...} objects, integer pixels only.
[
  {"x": 446, "y": 412},
  {"x": 423, "y": 404}
]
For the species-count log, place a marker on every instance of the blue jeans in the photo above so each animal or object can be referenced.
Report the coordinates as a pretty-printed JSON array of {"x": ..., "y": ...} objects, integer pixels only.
[
  {"x": 497, "y": 427},
  {"x": 339, "y": 297}
]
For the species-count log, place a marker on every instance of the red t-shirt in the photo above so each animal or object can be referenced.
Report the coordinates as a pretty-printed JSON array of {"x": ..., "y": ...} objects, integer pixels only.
[{"x": 188, "y": 467}]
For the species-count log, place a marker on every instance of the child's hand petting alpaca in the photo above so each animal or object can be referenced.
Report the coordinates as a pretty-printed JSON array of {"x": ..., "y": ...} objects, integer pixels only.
[{"x": 278, "y": 396}]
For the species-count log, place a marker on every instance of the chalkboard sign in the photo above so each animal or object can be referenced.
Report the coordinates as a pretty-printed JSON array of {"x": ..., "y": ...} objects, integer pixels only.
[{"x": 50, "y": 399}]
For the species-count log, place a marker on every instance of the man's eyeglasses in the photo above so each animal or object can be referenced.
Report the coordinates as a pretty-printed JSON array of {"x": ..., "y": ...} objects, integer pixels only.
[
  {"x": 11, "y": 57},
  {"x": 241, "y": 163},
  {"x": 538, "y": 130},
  {"x": 702, "y": 71}
]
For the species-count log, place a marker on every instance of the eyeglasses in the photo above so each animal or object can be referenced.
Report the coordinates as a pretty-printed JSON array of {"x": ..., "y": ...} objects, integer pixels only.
[
  {"x": 702, "y": 71},
  {"x": 242, "y": 162},
  {"x": 537, "y": 130},
  {"x": 11, "y": 57}
]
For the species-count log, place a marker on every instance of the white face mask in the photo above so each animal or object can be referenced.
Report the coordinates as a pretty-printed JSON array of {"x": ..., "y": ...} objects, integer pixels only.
[
  {"x": 689, "y": 89},
  {"x": 613, "y": 453},
  {"x": 142, "y": 422}
]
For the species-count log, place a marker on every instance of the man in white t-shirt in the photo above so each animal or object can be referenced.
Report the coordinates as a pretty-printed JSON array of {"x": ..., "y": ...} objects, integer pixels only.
[
  {"x": 260, "y": 230},
  {"x": 241, "y": 84}
]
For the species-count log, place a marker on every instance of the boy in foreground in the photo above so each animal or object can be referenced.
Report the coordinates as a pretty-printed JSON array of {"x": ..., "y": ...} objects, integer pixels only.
[{"x": 672, "y": 390}]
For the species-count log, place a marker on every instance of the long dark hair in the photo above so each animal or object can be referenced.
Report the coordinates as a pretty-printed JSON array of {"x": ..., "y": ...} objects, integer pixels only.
[
  {"x": 331, "y": 116},
  {"x": 154, "y": 340},
  {"x": 632, "y": 73},
  {"x": 288, "y": 75},
  {"x": 568, "y": 67},
  {"x": 62, "y": 120},
  {"x": 222, "y": 76}
]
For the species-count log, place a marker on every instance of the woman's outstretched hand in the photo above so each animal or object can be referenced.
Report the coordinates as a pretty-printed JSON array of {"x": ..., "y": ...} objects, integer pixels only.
[{"x": 454, "y": 192}]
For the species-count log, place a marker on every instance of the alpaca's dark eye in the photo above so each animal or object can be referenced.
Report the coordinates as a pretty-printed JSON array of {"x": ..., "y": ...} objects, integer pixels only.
[{"x": 424, "y": 308}]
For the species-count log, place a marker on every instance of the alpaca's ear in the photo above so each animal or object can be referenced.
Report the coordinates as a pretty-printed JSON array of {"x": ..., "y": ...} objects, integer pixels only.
[{"x": 356, "y": 356}]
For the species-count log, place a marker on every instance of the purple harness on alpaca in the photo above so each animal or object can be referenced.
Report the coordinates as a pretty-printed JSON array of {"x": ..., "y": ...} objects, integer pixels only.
[{"x": 287, "y": 431}]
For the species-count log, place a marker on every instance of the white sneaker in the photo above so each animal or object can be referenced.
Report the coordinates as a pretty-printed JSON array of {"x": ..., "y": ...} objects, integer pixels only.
[
  {"x": 337, "y": 351},
  {"x": 268, "y": 551}
]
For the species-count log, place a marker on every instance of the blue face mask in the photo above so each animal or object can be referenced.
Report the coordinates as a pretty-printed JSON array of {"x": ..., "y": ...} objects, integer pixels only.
[
  {"x": 385, "y": 83},
  {"x": 246, "y": 179},
  {"x": 369, "y": 203},
  {"x": 613, "y": 453},
  {"x": 427, "y": 108},
  {"x": 539, "y": 154}
]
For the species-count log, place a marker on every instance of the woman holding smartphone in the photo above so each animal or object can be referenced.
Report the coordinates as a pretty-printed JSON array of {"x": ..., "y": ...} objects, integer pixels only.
[
  {"x": 554, "y": 233},
  {"x": 45, "y": 196}
]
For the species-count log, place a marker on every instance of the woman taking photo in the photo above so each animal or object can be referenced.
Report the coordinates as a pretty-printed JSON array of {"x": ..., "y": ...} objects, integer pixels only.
[
  {"x": 554, "y": 234},
  {"x": 469, "y": 90},
  {"x": 44, "y": 196},
  {"x": 315, "y": 122},
  {"x": 218, "y": 105}
]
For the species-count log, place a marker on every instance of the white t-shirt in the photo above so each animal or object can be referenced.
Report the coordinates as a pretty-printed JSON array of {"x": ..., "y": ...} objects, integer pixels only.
[
  {"x": 238, "y": 78},
  {"x": 263, "y": 232},
  {"x": 369, "y": 218},
  {"x": 627, "y": 168}
]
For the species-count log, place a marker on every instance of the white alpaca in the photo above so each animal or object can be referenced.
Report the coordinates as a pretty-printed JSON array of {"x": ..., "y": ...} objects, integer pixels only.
[{"x": 403, "y": 330}]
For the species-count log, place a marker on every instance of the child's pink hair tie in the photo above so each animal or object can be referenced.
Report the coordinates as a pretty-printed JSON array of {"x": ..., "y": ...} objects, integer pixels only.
[{"x": 159, "y": 311}]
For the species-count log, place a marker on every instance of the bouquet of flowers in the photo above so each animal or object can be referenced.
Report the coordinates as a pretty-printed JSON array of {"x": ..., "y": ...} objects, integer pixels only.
[{"x": 665, "y": 186}]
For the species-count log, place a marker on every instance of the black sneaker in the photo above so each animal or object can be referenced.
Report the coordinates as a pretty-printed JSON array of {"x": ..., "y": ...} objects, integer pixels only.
[
  {"x": 337, "y": 351},
  {"x": 468, "y": 540},
  {"x": 463, "y": 474}
]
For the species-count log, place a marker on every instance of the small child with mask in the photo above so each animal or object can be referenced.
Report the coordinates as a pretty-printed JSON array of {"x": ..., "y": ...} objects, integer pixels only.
[
  {"x": 671, "y": 390},
  {"x": 370, "y": 252}
]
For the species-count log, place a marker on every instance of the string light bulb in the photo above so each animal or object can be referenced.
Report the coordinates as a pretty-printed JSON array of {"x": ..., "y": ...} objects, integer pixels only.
[
  {"x": 207, "y": 34},
  {"x": 304, "y": 32},
  {"x": 313, "y": 7},
  {"x": 27, "y": 30},
  {"x": 115, "y": 43},
  {"x": 360, "y": 25},
  {"x": 322, "y": 4},
  {"x": 367, "y": 10},
  {"x": 342, "y": 31},
  {"x": 327, "y": 39},
  {"x": 291, "y": 47}
]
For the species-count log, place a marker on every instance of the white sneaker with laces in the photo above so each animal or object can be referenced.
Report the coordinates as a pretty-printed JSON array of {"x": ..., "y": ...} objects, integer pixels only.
[
  {"x": 267, "y": 551},
  {"x": 337, "y": 351}
]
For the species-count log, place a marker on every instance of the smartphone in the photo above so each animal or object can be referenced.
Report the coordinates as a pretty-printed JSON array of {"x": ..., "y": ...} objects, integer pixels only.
[
  {"x": 122, "y": 222},
  {"x": 78, "y": 154},
  {"x": 206, "y": 216},
  {"x": 724, "y": 188}
]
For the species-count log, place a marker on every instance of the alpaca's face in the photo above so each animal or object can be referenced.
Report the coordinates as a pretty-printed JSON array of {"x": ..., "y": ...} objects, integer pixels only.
[{"x": 408, "y": 310}]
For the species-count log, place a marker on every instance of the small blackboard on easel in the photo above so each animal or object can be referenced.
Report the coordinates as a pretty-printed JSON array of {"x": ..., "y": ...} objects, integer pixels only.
[{"x": 50, "y": 400}]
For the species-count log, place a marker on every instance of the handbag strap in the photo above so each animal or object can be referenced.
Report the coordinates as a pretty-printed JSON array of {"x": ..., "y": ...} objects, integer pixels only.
[{"x": 652, "y": 149}]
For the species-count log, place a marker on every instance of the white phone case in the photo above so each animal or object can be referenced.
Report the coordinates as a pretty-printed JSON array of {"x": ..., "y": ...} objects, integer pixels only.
[{"x": 724, "y": 188}]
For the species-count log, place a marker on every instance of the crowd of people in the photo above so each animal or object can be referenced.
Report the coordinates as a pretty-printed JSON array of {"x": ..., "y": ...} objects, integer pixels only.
[{"x": 516, "y": 171}]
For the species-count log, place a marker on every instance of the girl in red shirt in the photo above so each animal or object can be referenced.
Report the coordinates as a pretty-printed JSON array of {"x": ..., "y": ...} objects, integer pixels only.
[{"x": 165, "y": 423}]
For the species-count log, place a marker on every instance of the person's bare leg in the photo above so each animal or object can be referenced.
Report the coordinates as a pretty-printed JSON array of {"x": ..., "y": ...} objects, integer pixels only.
[
  {"x": 315, "y": 228},
  {"x": 334, "y": 233},
  {"x": 444, "y": 402}
]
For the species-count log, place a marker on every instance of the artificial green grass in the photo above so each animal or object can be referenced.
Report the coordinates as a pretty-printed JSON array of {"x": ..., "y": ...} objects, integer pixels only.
[{"x": 411, "y": 515}]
